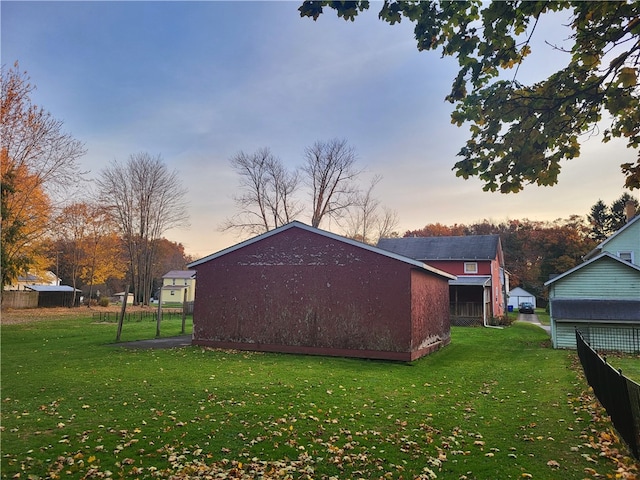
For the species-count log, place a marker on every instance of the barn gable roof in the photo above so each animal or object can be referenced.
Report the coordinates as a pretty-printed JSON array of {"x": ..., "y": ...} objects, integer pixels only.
[
  {"x": 471, "y": 247},
  {"x": 519, "y": 292},
  {"x": 593, "y": 260},
  {"x": 324, "y": 233}
]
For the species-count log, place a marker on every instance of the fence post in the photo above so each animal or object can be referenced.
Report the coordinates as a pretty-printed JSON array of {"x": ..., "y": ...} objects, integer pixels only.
[
  {"x": 159, "y": 313},
  {"x": 122, "y": 310},
  {"x": 184, "y": 310}
]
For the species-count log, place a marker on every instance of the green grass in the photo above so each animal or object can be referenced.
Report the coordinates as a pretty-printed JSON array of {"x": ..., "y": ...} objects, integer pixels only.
[
  {"x": 496, "y": 403},
  {"x": 543, "y": 316}
]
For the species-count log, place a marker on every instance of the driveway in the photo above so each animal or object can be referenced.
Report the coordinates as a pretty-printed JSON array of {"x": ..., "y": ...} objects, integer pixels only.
[{"x": 533, "y": 318}]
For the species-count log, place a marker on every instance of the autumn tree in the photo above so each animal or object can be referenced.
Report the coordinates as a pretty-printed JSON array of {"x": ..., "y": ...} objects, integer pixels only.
[
  {"x": 266, "y": 198},
  {"x": 519, "y": 133},
  {"x": 147, "y": 199},
  {"x": 169, "y": 256},
  {"x": 86, "y": 245},
  {"x": 37, "y": 159},
  {"x": 533, "y": 250}
]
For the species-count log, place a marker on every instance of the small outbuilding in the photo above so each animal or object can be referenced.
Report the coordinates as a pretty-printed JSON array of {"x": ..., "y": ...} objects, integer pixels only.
[
  {"x": 299, "y": 289},
  {"x": 519, "y": 295},
  {"x": 56, "y": 295}
]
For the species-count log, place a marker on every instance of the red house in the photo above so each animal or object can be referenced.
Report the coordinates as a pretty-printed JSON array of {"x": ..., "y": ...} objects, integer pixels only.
[
  {"x": 478, "y": 294},
  {"x": 299, "y": 289}
]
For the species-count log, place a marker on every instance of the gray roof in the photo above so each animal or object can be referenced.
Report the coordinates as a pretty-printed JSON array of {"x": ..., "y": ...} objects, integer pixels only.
[
  {"x": 472, "y": 247},
  {"x": 51, "y": 288},
  {"x": 603, "y": 310},
  {"x": 480, "y": 281},
  {"x": 180, "y": 274}
]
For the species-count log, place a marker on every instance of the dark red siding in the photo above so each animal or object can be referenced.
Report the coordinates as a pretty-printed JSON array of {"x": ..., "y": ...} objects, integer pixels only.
[{"x": 303, "y": 292}]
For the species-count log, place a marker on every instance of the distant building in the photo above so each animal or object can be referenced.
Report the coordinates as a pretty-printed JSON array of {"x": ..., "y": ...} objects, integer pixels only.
[
  {"x": 478, "y": 294},
  {"x": 175, "y": 283}
]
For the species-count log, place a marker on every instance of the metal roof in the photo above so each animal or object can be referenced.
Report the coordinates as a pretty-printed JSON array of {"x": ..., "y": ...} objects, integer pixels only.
[
  {"x": 472, "y": 247},
  {"x": 51, "y": 288},
  {"x": 484, "y": 280}
]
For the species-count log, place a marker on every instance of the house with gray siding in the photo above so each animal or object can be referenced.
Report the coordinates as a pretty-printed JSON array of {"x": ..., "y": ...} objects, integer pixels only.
[{"x": 601, "y": 296}]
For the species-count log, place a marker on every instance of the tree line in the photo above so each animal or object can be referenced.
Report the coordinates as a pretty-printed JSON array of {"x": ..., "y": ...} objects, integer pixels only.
[{"x": 536, "y": 250}]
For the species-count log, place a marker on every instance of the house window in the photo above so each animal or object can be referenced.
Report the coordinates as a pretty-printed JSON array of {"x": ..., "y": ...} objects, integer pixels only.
[
  {"x": 626, "y": 256},
  {"x": 470, "y": 267},
  {"x": 173, "y": 292}
]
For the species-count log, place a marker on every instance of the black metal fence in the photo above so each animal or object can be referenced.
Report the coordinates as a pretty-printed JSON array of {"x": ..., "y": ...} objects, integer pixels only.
[
  {"x": 613, "y": 338},
  {"x": 140, "y": 316},
  {"x": 619, "y": 395}
]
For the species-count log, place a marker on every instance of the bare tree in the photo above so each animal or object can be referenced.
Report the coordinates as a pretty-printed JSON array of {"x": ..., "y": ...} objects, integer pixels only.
[
  {"x": 330, "y": 171},
  {"x": 365, "y": 221},
  {"x": 147, "y": 200},
  {"x": 267, "y": 193}
]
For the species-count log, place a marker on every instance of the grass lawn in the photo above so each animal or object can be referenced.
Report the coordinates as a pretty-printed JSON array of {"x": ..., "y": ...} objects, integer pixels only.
[{"x": 494, "y": 404}]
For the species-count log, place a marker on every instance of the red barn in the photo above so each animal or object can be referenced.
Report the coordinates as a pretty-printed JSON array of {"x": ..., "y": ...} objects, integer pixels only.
[{"x": 299, "y": 289}]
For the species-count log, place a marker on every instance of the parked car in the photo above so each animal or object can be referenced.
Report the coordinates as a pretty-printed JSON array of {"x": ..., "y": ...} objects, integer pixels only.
[{"x": 526, "y": 307}]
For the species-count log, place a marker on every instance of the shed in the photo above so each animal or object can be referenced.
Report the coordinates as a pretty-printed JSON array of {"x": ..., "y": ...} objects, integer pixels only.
[
  {"x": 518, "y": 295},
  {"x": 56, "y": 295},
  {"x": 299, "y": 289}
]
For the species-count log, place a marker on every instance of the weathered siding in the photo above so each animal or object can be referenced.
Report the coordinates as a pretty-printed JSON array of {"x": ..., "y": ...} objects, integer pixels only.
[
  {"x": 298, "y": 291},
  {"x": 19, "y": 299},
  {"x": 430, "y": 313},
  {"x": 605, "y": 278}
]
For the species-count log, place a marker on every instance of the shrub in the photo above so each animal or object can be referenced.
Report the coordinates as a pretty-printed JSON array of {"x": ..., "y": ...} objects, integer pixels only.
[{"x": 104, "y": 301}]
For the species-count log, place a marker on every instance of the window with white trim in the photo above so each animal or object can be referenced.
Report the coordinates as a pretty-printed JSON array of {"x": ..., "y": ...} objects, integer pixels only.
[
  {"x": 470, "y": 267},
  {"x": 626, "y": 256}
]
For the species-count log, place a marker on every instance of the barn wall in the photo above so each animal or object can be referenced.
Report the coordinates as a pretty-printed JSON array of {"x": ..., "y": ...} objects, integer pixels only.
[
  {"x": 430, "y": 313},
  {"x": 300, "y": 289}
]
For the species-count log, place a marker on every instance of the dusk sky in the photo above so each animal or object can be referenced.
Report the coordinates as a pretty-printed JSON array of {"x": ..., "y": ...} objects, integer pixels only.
[{"x": 197, "y": 82}]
